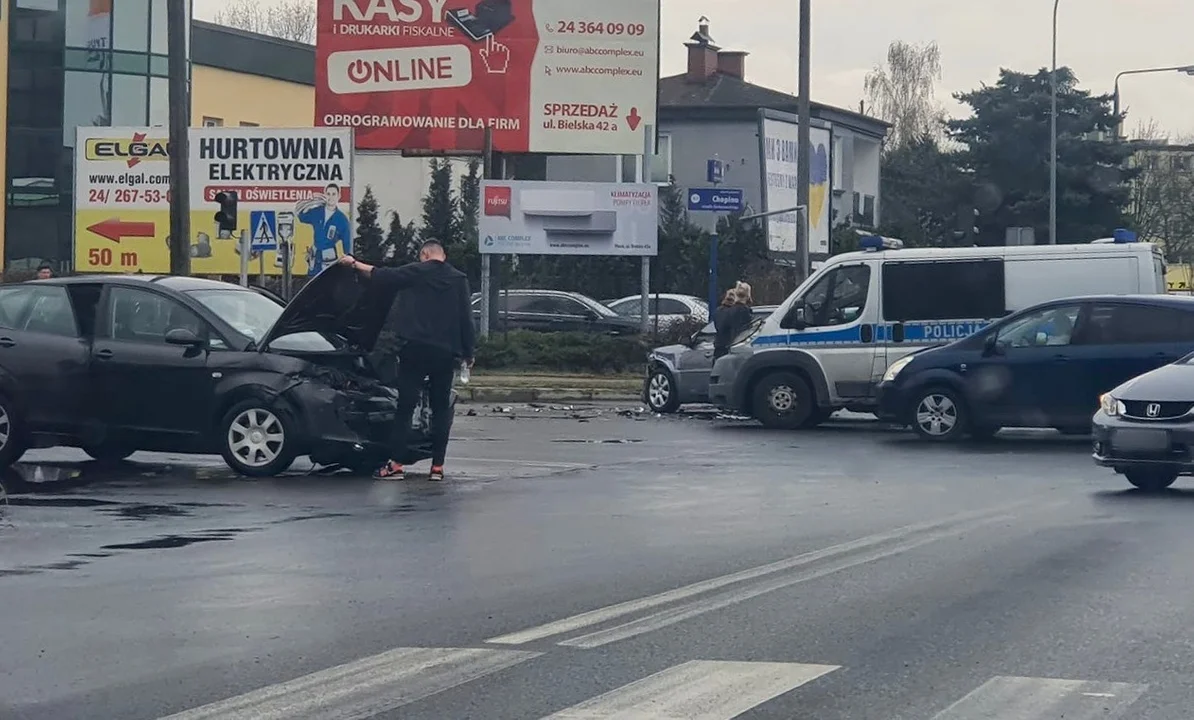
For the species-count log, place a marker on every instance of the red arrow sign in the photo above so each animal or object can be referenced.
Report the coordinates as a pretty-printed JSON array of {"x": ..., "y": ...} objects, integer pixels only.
[
  {"x": 114, "y": 229},
  {"x": 633, "y": 119}
]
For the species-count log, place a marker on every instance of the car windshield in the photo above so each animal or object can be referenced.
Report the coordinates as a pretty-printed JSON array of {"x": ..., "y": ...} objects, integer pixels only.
[{"x": 252, "y": 314}]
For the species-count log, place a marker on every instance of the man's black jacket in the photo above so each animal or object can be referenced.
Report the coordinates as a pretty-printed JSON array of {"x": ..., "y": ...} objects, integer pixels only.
[{"x": 433, "y": 306}]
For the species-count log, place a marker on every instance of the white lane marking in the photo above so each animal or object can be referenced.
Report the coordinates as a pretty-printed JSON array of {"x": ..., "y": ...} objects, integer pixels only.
[
  {"x": 613, "y": 612},
  {"x": 1026, "y": 698},
  {"x": 671, "y": 616},
  {"x": 364, "y": 688},
  {"x": 697, "y": 690}
]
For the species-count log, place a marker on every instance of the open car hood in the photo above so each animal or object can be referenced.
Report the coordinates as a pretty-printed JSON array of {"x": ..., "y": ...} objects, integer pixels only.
[{"x": 338, "y": 301}]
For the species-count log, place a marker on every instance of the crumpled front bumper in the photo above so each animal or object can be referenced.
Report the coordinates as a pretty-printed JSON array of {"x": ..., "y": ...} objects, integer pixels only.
[{"x": 355, "y": 426}]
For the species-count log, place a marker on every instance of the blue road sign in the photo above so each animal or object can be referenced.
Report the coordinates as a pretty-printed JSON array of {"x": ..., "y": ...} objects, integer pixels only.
[
  {"x": 264, "y": 226},
  {"x": 715, "y": 171},
  {"x": 716, "y": 200}
]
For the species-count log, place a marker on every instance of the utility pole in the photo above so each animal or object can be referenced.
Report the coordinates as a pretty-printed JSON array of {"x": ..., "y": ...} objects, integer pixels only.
[
  {"x": 177, "y": 25},
  {"x": 802, "y": 140}
]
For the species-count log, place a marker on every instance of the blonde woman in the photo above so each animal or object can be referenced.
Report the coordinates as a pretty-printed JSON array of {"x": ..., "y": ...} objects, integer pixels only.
[{"x": 731, "y": 318}]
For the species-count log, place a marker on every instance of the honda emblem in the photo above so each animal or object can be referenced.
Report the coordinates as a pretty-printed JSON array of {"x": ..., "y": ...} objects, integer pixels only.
[{"x": 1152, "y": 409}]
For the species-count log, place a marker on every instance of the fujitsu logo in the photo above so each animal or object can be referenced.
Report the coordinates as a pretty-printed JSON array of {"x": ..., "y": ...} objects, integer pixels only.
[{"x": 497, "y": 200}]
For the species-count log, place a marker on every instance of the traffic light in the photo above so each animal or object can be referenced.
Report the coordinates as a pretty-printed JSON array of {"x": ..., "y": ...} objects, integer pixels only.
[
  {"x": 226, "y": 217},
  {"x": 967, "y": 227}
]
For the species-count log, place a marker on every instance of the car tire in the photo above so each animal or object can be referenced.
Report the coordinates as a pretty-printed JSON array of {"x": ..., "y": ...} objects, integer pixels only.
[
  {"x": 1151, "y": 479},
  {"x": 783, "y": 400},
  {"x": 938, "y": 414},
  {"x": 258, "y": 438},
  {"x": 108, "y": 453},
  {"x": 662, "y": 394},
  {"x": 12, "y": 439}
]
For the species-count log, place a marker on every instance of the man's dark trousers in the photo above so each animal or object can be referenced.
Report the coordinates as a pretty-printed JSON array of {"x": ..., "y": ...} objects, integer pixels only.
[{"x": 417, "y": 362}]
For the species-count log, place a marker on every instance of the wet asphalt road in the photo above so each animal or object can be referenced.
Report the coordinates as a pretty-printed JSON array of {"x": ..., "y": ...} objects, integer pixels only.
[{"x": 587, "y": 562}]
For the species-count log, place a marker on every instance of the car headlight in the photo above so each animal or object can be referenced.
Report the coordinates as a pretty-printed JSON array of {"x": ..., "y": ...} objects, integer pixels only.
[
  {"x": 895, "y": 368},
  {"x": 1111, "y": 405}
]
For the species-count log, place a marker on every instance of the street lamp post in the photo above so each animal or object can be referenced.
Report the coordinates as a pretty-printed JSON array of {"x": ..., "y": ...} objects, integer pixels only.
[
  {"x": 1187, "y": 69},
  {"x": 1053, "y": 135}
]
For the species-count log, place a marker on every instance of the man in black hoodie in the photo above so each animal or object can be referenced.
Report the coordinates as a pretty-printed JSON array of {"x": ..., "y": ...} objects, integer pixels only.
[{"x": 432, "y": 320}]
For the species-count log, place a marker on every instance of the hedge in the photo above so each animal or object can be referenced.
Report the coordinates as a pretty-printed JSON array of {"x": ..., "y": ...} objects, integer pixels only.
[{"x": 575, "y": 352}]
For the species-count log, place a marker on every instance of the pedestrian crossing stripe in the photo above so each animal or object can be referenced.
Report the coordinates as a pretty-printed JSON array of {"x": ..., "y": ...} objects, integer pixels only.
[{"x": 693, "y": 690}]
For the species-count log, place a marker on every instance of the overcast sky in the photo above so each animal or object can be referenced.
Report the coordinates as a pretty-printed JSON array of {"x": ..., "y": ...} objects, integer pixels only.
[{"x": 1097, "y": 38}]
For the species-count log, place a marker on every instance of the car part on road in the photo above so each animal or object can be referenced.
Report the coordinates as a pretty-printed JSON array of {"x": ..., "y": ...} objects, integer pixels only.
[
  {"x": 662, "y": 394},
  {"x": 783, "y": 400},
  {"x": 1151, "y": 479},
  {"x": 108, "y": 453},
  {"x": 939, "y": 414},
  {"x": 258, "y": 438}
]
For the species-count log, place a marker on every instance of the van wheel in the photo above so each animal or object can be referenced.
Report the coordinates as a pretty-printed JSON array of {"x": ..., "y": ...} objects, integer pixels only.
[
  {"x": 258, "y": 438},
  {"x": 662, "y": 394},
  {"x": 938, "y": 414},
  {"x": 1151, "y": 479},
  {"x": 783, "y": 400}
]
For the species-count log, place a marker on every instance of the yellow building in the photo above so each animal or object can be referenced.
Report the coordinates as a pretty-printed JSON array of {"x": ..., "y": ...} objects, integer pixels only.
[{"x": 245, "y": 79}]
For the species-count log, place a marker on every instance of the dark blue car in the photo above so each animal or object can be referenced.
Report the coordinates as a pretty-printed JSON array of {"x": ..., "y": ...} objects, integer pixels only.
[{"x": 1044, "y": 366}]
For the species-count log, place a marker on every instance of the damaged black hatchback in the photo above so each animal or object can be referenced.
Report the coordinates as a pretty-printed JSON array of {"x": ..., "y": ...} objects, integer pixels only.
[{"x": 117, "y": 364}]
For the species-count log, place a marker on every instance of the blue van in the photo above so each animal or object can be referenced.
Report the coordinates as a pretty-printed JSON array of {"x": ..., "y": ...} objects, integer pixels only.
[{"x": 1044, "y": 366}]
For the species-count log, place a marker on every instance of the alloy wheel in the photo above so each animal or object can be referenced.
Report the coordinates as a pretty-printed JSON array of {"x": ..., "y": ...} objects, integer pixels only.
[
  {"x": 659, "y": 390},
  {"x": 937, "y": 415},
  {"x": 256, "y": 437}
]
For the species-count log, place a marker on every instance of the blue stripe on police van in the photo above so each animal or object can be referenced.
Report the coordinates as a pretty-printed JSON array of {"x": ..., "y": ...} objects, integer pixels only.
[{"x": 921, "y": 332}]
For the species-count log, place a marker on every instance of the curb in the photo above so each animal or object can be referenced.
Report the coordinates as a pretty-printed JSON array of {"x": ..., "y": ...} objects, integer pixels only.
[{"x": 531, "y": 394}]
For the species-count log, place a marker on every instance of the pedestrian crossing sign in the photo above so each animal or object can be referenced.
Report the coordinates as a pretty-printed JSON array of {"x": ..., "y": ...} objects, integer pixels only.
[{"x": 264, "y": 224}]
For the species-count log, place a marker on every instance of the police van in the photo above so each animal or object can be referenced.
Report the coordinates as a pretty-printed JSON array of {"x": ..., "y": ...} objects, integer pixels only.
[{"x": 827, "y": 346}]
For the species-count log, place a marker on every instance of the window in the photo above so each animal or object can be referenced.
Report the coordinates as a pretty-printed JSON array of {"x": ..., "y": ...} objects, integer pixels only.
[
  {"x": 249, "y": 124},
  {"x": 130, "y": 25},
  {"x": 88, "y": 25},
  {"x": 37, "y": 21},
  {"x": 38, "y": 309},
  {"x": 130, "y": 93},
  {"x": 661, "y": 164},
  {"x": 1045, "y": 328},
  {"x": 87, "y": 101},
  {"x": 159, "y": 101},
  {"x": 943, "y": 290},
  {"x": 212, "y": 122},
  {"x": 553, "y": 305},
  {"x": 1137, "y": 324},
  {"x": 146, "y": 317},
  {"x": 159, "y": 35},
  {"x": 629, "y": 308},
  {"x": 668, "y": 306},
  {"x": 839, "y": 297}
]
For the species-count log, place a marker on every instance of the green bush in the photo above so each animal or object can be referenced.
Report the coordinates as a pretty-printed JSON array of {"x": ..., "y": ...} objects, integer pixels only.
[{"x": 573, "y": 352}]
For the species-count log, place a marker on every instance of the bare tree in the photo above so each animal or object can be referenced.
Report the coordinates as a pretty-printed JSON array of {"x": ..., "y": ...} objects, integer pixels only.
[
  {"x": 286, "y": 19},
  {"x": 903, "y": 93},
  {"x": 1162, "y": 198}
]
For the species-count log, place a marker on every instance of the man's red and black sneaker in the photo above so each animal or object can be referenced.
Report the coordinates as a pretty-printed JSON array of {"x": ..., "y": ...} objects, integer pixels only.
[
  {"x": 390, "y": 471},
  {"x": 437, "y": 473}
]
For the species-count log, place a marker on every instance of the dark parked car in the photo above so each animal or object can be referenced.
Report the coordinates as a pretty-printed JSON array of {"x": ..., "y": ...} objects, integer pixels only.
[
  {"x": 1045, "y": 366},
  {"x": 554, "y": 311},
  {"x": 1144, "y": 428},
  {"x": 678, "y": 374},
  {"x": 116, "y": 364}
]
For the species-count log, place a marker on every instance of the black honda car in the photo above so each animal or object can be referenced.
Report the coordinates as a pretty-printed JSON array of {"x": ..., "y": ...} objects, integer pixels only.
[{"x": 116, "y": 364}]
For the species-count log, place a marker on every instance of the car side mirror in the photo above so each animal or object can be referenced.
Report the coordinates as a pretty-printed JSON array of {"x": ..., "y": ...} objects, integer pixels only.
[
  {"x": 184, "y": 336},
  {"x": 991, "y": 345},
  {"x": 797, "y": 317}
]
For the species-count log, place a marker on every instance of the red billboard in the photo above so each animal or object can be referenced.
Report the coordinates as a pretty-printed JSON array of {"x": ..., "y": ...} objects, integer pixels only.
[{"x": 551, "y": 76}]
